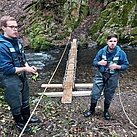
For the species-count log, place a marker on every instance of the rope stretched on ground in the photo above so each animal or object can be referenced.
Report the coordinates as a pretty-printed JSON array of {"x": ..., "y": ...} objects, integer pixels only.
[
  {"x": 123, "y": 107},
  {"x": 46, "y": 87}
]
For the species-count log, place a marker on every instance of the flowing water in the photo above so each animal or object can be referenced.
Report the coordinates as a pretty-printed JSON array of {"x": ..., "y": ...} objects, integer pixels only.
[{"x": 47, "y": 61}]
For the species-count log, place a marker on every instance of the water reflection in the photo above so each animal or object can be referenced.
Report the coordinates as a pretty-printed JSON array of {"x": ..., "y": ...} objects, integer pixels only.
[
  {"x": 39, "y": 60},
  {"x": 46, "y": 63},
  {"x": 49, "y": 59}
]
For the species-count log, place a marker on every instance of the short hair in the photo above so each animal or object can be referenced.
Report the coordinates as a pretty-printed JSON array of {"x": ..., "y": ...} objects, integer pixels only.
[
  {"x": 4, "y": 19},
  {"x": 112, "y": 36}
]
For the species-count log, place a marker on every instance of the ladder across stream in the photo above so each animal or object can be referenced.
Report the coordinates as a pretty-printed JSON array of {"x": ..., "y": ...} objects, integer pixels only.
[{"x": 69, "y": 79}]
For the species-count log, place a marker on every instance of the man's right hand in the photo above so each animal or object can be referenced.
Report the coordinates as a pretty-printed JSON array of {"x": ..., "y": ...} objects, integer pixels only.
[{"x": 102, "y": 63}]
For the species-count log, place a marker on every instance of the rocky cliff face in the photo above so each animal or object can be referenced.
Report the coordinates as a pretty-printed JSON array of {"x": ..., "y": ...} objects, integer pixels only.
[
  {"x": 51, "y": 23},
  {"x": 118, "y": 17}
]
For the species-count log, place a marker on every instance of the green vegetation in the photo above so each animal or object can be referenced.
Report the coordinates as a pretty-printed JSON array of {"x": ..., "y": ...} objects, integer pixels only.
[{"x": 118, "y": 17}]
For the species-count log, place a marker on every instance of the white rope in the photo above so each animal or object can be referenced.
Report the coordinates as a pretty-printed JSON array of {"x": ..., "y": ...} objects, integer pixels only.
[
  {"x": 46, "y": 87},
  {"x": 123, "y": 107}
]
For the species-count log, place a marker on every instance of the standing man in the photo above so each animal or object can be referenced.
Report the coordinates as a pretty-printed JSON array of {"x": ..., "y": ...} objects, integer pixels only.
[
  {"x": 13, "y": 68},
  {"x": 109, "y": 60}
]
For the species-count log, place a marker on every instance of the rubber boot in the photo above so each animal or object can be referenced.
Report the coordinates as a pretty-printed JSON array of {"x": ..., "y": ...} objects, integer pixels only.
[
  {"x": 20, "y": 123},
  {"x": 91, "y": 111},
  {"x": 106, "y": 113},
  {"x": 26, "y": 114}
]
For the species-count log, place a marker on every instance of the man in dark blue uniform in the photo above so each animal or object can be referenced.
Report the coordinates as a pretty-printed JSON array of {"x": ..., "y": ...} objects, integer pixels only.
[
  {"x": 13, "y": 68},
  {"x": 109, "y": 60}
]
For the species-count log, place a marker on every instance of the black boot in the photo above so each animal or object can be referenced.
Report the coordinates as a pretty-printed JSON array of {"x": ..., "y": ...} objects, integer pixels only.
[
  {"x": 26, "y": 114},
  {"x": 106, "y": 113},
  {"x": 91, "y": 111},
  {"x": 20, "y": 123}
]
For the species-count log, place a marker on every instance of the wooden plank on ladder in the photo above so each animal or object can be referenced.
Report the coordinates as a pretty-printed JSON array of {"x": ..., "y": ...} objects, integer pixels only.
[
  {"x": 68, "y": 84},
  {"x": 67, "y": 93}
]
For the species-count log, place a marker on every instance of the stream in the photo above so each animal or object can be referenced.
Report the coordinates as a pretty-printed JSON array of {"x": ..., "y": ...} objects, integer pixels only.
[{"x": 47, "y": 61}]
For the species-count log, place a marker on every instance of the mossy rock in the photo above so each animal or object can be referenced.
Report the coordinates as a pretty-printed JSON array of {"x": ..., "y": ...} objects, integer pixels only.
[
  {"x": 39, "y": 43},
  {"x": 117, "y": 18},
  {"x": 134, "y": 31}
]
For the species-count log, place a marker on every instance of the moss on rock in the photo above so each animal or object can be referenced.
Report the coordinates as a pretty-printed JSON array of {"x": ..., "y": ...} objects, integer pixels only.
[
  {"x": 51, "y": 24},
  {"x": 118, "y": 17}
]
